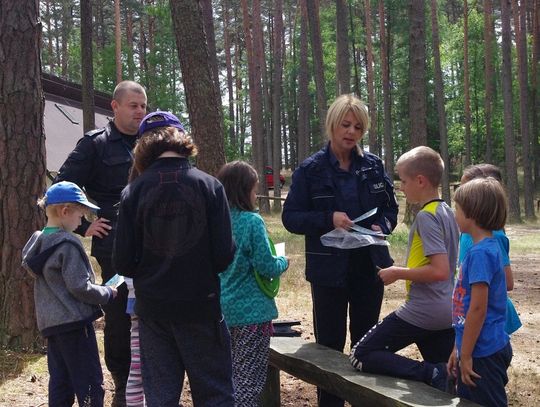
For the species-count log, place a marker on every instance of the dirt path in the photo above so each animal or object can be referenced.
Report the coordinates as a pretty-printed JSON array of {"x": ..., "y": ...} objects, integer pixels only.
[{"x": 28, "y": 385}]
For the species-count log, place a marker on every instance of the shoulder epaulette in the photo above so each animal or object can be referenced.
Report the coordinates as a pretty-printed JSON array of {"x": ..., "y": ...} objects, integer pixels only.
[{"x": 95, "y": 132}]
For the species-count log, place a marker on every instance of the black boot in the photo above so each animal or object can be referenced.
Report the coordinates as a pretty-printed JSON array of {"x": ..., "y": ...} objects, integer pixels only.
[{"x": 119, "y": 398}]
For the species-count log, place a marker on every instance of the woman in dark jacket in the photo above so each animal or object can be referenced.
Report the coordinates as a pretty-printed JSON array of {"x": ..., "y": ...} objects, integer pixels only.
[{"x": 333, "y": 186}]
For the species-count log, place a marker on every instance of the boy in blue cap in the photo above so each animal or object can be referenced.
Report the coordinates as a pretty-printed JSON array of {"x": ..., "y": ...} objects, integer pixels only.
[{"x": 67, "y": 298}]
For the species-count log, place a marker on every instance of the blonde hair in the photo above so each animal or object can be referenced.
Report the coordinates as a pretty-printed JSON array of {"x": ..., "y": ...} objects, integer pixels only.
[
  {"x": 52, "y": 210},
  {"x": 484, "y": 200},
  {"x": 339, "y": 109},
  {"x": 424, "y": 161}
]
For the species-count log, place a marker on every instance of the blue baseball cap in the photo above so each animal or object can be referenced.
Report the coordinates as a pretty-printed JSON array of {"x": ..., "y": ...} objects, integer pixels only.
[
  {"x": 64, "y": 192},
  {"x": 159, "y": 119}
]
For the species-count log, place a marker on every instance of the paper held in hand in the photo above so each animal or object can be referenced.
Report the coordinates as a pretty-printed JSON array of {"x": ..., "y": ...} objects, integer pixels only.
[
  {"x": 115, "y": 281},
  {"x": 280, "y": 249}
]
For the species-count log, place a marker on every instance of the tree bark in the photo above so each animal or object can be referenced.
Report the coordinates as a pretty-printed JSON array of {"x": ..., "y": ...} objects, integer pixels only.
[
  {"x": 255, "y": 93},
  {"x": 117, "y": 41},
  {"x": 439, "y": 97},
  {"x": 373, "y": 142},
  {"x": 534, "y": 98},
  {"x": 228, "y": 66},
  {"x": 387, "y": 106},
  {"x": 277, "y": 83},
  {"x": 22, "y": 175},
  {"x": 318, "y": 65},
  {"x": 466, "y": 85},
  {"x": 342, "y": 53},
  {"x": 489, "y": 77},
  {"x": 208, "y": 23},
  {"x": 130, "y": 43},
  {"x": 417, "y": 74},
  {"x": 87, "y": 67},
  {"x": 521, "y": 45},
  {"x": 258, "y": 56},
  {"x": 303, "y": 91},
  {"x": 202, "y": 97},
  {"x": 509, "y": 138}
]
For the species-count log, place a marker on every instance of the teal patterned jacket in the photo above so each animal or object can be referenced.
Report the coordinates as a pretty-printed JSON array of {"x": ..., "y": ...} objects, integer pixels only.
[{"x": 242, "y": 302}]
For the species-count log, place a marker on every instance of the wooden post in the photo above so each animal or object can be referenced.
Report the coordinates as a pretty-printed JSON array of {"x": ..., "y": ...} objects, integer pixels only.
[{"x": 271, "y": 395}]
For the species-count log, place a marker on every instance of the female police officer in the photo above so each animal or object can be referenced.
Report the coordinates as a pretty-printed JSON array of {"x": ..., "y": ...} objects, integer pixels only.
[{"x": 333, "y": 186}]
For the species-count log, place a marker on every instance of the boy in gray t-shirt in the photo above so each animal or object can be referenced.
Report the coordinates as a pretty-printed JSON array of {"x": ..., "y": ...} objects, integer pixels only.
[{"x": 426, "y": 316}]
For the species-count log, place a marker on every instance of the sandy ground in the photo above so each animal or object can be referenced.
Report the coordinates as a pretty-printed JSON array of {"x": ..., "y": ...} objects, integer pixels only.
[{"x": 29, "y": 386}]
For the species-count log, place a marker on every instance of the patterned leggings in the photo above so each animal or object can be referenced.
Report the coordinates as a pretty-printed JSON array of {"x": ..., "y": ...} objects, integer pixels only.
[
  {"x": 250, "y": 348},
  {"x": 134, "y": 387}
]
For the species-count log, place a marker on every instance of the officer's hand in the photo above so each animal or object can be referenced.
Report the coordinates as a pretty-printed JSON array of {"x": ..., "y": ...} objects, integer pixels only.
[
  {"x": 341, "y": 220},
  {"x": 99, "y": 228}
]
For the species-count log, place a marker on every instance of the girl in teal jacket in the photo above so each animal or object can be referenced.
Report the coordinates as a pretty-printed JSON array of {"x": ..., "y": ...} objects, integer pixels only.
[{"x": 248, "y": 311}]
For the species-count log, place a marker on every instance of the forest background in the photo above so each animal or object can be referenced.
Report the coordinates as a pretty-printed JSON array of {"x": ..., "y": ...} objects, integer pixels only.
[{"x": 253, "y": 79}]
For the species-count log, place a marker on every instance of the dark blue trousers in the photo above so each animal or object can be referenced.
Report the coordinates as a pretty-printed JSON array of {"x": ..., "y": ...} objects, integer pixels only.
[
  {"x": 201, "y": 349},
  {"x": 361, "y": 298},
  {"x": 489, "y": 390},
  {"x": 375, "y": 353},
  {"x": 74, "y": 368}
]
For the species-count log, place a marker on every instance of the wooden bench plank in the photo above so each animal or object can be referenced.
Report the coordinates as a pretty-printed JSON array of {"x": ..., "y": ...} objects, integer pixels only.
[{"x": 331, "y": 370}]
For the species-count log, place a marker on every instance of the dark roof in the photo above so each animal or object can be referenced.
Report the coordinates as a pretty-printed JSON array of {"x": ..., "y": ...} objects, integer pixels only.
[{"x": 63, "y": 120}]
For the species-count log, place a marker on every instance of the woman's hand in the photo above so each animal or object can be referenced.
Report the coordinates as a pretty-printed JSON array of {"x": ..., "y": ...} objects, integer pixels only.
[{"x": 341, "y": 220}]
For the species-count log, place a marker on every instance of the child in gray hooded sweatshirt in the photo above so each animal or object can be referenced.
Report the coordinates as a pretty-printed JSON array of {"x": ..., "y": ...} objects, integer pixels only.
[{"x": 67, "y": 298}]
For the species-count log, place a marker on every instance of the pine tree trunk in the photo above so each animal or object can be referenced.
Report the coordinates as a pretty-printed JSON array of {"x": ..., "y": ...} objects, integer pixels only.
[
  {"x": 489, "y": 77},
  {"x": 208, "y": 22},
  {"x": 228, "y": 66},
  {"x": 277, "y": 84},
  {"x": 342, "y": 53},
  {"x": 466, "y": 84},
  {"x": 87, "y": 67},
  {"x": 258, "y": 56},
  {"x": 303, "y": 91},
  {"x": 417, "y": 74},
  {"x": 373, "y": 142},
  {"x": 509, "y": 138},
  {"x": 439, "y": 97},
  {"x": 535, "y": 93},
  {"x": 22, "y": 154},
  {"x": 521, "y": 45},
  {"x": 118, "y": 41},
  {"x": 387, "y": 104},
  {"x": 318, "y": 65},
  {"x": 202, "y": 97},
  {"x": 129, "y": 43},
  {"x": 356, "y": 75},
  {"x": 255, "y": 95}
]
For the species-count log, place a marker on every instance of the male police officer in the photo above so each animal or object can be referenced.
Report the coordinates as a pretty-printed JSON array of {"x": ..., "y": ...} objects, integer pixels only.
[{"x": 100, "y": 164}]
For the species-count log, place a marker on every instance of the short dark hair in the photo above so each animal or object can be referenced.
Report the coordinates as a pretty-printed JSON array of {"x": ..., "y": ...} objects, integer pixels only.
[
  {"x": 238, "y": 178},
  {"x": 155, "y": 142},
  {"x": 422, "y": 160},
  {"x": 482, "y": 171},
  {"x": 127, "y": 86},
  {"x": 484, "y": 200}
]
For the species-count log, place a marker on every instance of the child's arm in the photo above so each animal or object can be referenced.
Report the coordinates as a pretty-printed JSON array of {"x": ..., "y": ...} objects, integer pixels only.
[
  {"x": 474, "y": 320},
  {"x": 77, "y": 273},
  {"x": 263, "y": 261},
  {"x": 509, "y": 278},
  {"x": 438, "y": 269}
]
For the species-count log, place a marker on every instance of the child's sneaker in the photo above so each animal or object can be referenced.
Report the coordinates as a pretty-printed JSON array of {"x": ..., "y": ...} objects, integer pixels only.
[{"x": 442, "y": 380}]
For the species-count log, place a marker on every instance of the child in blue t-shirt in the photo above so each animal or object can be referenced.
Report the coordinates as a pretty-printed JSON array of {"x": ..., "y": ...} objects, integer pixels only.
[
  {"x": 482, "y": 353},
  {"x": 248, "y": 310},
  {"x": 485, "y": 170}
]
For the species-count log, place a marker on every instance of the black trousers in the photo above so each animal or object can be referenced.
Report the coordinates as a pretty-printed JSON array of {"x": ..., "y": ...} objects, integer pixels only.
[
  {"x": 361, "y": 299},
  {"x": 117, "y": 326}
]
